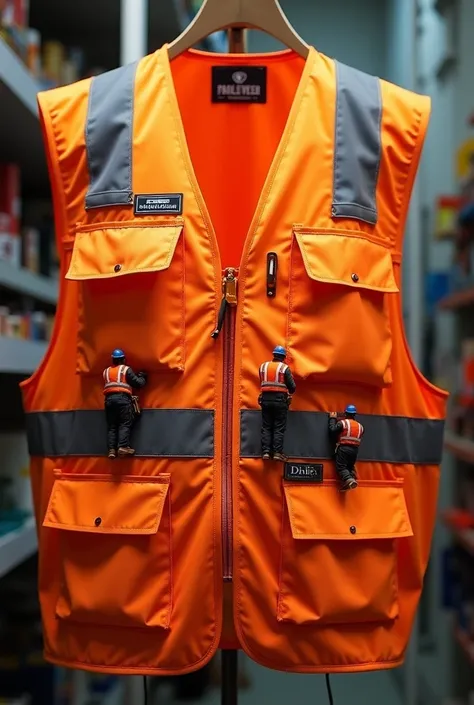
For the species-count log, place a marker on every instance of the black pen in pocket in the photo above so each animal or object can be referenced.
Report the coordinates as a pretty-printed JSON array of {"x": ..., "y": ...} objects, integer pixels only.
[{"x": 272, "y": 270}]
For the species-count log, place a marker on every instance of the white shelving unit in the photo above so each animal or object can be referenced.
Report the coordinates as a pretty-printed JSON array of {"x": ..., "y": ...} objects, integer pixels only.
[{"x": 17, "y": 546}]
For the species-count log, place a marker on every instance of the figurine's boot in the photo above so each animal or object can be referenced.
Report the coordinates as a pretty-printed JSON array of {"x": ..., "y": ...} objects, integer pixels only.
[
  {"x": 348, "y": 481},
  {"x": 126, "y": 451},
  {"x": 112, "y": 454},
  {"x": 280, "y": 456},
  {"x": 266, "y": 455}
]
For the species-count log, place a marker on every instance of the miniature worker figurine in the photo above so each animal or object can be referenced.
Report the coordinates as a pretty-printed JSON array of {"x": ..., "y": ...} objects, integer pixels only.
[
  {"x": 119, "y": 382},
  {"x": 276, "y": 387},
  {"x": 349, "y": 434}
]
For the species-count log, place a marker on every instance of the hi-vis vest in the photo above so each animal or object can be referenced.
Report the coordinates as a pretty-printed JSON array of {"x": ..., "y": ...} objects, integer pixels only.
[
  {"x": 115, "y": 380},
  {"x": 197, "y": 546},
  {"x": 272, "y": 377},
  {"x": 351, "y": 434}
]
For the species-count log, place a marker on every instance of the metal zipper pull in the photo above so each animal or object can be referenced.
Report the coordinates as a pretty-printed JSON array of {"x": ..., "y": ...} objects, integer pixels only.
[{"x": 229, "y": 297}]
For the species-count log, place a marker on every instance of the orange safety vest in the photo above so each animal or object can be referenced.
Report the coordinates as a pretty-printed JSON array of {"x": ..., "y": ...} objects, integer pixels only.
[
  {"x": 145, "y": 227},
  {"x": 272, "y": 377},
  {"x": 115, "y": 380},
  {"x": 352, "y": 433}
]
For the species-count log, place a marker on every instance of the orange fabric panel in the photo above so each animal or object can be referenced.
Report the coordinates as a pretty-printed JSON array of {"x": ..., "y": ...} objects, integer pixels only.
[
  {"x": 345, "y": 298},
  {"x": 152, "y": 259},
  {"x": 121, "y": 515},
  {"x": 353, "y": 536},
  {"x": 232, "y": 146}
]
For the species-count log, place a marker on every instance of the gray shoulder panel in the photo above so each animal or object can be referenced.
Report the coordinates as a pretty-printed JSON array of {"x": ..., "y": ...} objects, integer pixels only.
[
  {"x": 358, "y": 149},
  {"x": 109, "y": 138}
]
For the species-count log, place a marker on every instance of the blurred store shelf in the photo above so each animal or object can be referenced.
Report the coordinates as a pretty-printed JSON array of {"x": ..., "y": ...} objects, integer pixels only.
[
  {"x": 20, "y": 133},
  {"x": 461, "y": 448},
  {"x": 459, "y": 299},
  {"x": 26, "y": 282},
  {"x": 17, "y": 546},
  {"x": 466, "y": 644},
  {"x": 20, "y": 356},
  {"x": 463, "y": 534}
]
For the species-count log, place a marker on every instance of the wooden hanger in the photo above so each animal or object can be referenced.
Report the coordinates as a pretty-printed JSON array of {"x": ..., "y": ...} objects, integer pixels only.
[{"x": 215, "y": 15}]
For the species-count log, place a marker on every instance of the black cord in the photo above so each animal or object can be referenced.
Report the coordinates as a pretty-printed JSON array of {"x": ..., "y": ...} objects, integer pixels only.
[
  {"x": 145, "y": 691},
  {"x": 328, "y": 687}
]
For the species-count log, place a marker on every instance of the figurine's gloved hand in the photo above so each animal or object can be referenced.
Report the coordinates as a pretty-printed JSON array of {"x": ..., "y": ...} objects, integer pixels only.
[
  {"x": 333, "y": 414},
  {"x": 260, "y": 399},
  {"x": 144, "y": 375}
]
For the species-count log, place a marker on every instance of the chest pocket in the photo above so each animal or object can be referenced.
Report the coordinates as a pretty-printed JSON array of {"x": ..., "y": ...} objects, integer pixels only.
[
  {"x": 131, "y": 295},
  {"x": 339, "y": 324}
]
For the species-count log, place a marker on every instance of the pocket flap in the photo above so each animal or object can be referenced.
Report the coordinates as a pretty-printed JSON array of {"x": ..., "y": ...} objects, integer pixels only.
[
  {"x": 103, "y": 505},
  {"x": 115, "y": 250},
  {"x": 372, "y": 511},
  {"x": 340, "y": 258}
]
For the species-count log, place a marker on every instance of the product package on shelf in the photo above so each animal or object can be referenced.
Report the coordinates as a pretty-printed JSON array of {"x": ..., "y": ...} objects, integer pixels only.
[
  {"x": 13, "y": 25},
  {"x": 463, "y": 417},
  {"x": 30, "y": 258},
  {"x": 10, "y": 213}
]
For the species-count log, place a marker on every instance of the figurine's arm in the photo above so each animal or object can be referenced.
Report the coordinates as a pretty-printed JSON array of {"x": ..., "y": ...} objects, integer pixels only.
[
  {"x": 335, "y": 426},
  {"x": 289, "y": 381},
  {"x": 136, "y": 381}
]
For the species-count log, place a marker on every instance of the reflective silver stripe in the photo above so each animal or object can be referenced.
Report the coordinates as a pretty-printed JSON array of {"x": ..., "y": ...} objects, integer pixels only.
[
  {"x": 273, "y": 384},
  {"x": 173, "y": 433},
  {"x": 388, "y": 439},
  {"x": 118, "y": 384},
  {"x": 358, "y": 144},
  {"x": 109, "y": 138}
]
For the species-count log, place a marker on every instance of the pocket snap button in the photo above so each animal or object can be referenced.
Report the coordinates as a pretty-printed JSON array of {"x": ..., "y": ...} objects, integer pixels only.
[
  {"x": 98, "y": 521},
  {"x": 117, "y": 268},
  {"x": 352, "y": 529},
  {"x": 355, "y": 277}
]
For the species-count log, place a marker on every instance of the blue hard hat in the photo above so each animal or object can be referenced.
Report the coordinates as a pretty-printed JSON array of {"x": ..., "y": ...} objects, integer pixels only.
[
  {"x": 118, "y": 354},
  {"x": 350, "y": 409},
  {"x": 280, "y": 350}
]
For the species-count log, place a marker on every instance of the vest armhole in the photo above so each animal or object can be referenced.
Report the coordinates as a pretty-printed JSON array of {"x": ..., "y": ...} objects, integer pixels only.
[{"x": 55, "y": 176}]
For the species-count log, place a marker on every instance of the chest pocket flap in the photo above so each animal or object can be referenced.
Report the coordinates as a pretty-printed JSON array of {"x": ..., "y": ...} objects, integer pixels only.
[
  {"x": 339, "y": 322},
  {"x": 131, "y": 294}
]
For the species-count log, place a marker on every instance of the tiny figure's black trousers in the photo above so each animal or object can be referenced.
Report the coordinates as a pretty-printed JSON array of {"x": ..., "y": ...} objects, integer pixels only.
[
  {"x": 274, "y": 416},
  {"x": 346, "y": 456},
  {"x": 119, "y": 415}
]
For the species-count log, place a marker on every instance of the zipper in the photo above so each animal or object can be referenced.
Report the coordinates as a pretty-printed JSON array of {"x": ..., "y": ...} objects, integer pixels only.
[{"x": 226, "y": 322}]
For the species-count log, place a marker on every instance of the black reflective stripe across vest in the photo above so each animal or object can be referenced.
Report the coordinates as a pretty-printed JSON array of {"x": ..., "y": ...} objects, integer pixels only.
[
  {"x": 189, "y": 433},
  {"x": 358, "y": 144}
]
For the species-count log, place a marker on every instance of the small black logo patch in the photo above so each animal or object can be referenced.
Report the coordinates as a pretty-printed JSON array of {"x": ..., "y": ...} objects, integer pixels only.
[
  {"x": 303, "y": 472},
  {"x": 239, "y": 84},
  {"x": 158, "y": 204}
]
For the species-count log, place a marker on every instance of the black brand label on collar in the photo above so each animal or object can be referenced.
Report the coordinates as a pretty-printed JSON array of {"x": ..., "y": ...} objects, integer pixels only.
[
  {"x": 303, "y": 472},
  {"x": 158, "y": 204},
  {"x": 239, "y": 84}
]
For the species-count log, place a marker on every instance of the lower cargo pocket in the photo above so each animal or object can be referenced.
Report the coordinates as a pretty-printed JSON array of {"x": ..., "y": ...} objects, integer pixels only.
[
  {"x": 115, "y": 549},
  {"x": 339, "y": 553}
]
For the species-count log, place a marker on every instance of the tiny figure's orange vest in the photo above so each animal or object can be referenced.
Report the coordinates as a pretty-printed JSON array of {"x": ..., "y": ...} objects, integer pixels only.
[
  {"x": 148, "y": 564},
  {"x": 115, "y": 380},
  {"x": 352, "y": 433},
  {"x": 272, "y": 377}
]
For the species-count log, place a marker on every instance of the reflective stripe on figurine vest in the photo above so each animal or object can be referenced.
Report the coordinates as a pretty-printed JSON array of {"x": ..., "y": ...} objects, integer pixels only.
[
  {"x": 115, "y": 380},
  {"x": 272, "y": 377},
  {"x": 145, "y": 230},
  {"x": 352, "y": 432}
]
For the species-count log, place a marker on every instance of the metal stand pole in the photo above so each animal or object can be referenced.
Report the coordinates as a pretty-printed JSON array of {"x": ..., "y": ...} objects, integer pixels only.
[
  {"x": 133, "y": 30},
  {"x": 229, "y": 677}
]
